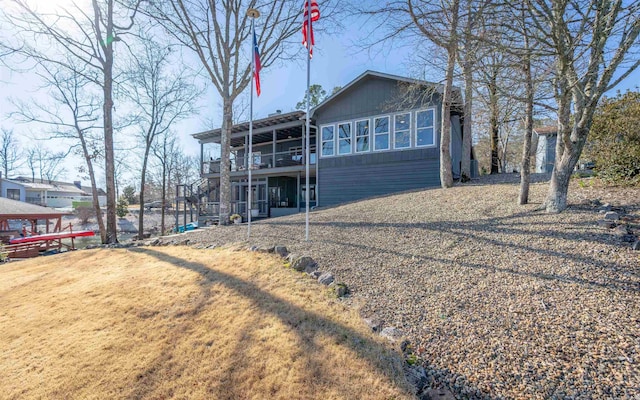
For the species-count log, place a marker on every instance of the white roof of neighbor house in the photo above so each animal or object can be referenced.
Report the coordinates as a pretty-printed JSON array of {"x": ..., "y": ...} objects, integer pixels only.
[{"x": 53, "y": 186}]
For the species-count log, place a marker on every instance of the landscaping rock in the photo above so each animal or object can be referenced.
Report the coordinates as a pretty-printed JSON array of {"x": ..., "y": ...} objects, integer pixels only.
[
  {"x": 326, "y": 278},
  {"x": 315, "y": 274},
  {"x": 281, "y": 251},
  {"x": 390, "y": 333},
  {"x": 417, "y": 377},
  {"x": 155, "y": 242},
  {"x": 628, "y": 238},
  {"x": 438, "y": 394},
  {"x": 340, "y": 289},
  {"x": 621, "y": 231},
  {"x": 605, "y": 207},
  {"x": 374, "y": 323},
  {"x": 611, "y": 216},
  {"x": 300, "y": 264},
  {"x": 606, "y": 224},
  {"x": 636, "y": 245}
]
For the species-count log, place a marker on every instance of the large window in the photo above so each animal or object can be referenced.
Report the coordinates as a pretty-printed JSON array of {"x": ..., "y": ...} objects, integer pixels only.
[
  {"x": 327, "y": 140},
  {"x": 402, "y": 131},
  {"x": 362, "y": 136},
  {"x": 13, "y": 194},
  {"x": 344, "y": 138},
  {"x": 381, "y": 132},
  {"x": 425, "y": 128}
]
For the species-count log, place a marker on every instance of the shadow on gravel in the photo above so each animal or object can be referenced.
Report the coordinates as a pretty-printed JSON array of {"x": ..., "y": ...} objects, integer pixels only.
[
  {"x": 290, "y": 314},
  {"x": 484, "y": 232}
]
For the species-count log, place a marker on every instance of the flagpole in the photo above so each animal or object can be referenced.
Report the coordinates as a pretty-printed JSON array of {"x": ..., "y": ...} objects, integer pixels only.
[
  {"x": 253, "y": 14},
  {"x": 308, "y": 127}
]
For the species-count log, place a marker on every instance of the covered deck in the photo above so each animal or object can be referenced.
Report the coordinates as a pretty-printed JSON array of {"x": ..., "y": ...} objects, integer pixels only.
[
  {"x": 20, "y": 219},
  {"x": 278, "y": 146}
]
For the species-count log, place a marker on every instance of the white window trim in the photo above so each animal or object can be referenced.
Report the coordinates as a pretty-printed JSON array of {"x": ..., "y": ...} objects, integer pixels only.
[
  {"x": 322, "y": 142},
  {"x": 373, "y": 125},
  {"x": 408, "y": 130},
  {"x": 435, "y": 131},
  {"x": 337, "y": 137},
  {"x": 355, "y": 142}
]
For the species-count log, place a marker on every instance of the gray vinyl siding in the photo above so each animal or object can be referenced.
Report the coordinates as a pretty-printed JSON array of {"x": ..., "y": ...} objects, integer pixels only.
[
  {"x": 344, "y": 179},
  {"x": 546, "y": 153},
  {"x": 374, "y": 96}
]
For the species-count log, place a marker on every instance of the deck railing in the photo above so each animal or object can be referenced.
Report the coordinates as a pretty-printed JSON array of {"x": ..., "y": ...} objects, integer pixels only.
[{"x": 260, "y": 161}]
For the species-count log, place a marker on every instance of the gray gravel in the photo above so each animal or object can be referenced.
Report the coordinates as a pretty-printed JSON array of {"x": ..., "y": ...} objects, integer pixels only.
[{"x": 498, "y": 300}]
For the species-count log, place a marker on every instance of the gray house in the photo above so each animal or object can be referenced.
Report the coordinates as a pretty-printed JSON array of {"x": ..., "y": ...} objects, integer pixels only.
[{"x": 379, "y": 134}]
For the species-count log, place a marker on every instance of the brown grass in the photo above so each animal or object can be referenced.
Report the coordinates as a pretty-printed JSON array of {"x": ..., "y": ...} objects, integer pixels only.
[{"x": 182, "y": 323}]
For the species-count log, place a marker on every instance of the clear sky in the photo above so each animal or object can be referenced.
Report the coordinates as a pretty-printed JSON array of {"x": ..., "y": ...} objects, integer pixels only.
[{"x": 337, "y": 60}]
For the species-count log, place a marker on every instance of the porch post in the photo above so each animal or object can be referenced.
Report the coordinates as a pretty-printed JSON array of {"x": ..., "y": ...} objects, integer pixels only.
[
  {"x": 298, "y": 191},
  {"x": 273, "y": 152}
]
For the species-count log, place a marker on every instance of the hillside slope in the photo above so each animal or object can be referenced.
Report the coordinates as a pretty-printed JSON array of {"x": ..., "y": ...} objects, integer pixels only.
[{"x": 499, "y": 300}]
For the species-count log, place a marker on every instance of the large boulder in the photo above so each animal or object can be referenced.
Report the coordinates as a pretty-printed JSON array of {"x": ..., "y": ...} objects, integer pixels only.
[
  {"x": 281, "y": 251},
  {"x": 326, "y": 278},
  {"x": 611, "y": 216},
  {"x": 303, "y": 263}
]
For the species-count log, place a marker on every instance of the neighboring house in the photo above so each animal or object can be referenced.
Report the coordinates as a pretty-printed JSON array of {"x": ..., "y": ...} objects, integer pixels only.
[
  {"x": 375, "y": 138},
  {"x": 47, "y": 193},
  {"x": 546, "y": 148}
]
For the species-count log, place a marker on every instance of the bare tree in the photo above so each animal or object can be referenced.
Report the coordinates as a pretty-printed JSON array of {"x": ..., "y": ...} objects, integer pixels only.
[
  {"x": 44, "y": 163},
  {"x": 164, "y": 149},
  {"x": 161, "y": 97},
  {"x": 438, "y": 21},
  {"x": 10, "y": 153},
  {"x": 595, "y": 47},
  {"x": 218, "y": 34},
  {"x": 74, "y": 114},
  {"x": 86, "y": 34}
]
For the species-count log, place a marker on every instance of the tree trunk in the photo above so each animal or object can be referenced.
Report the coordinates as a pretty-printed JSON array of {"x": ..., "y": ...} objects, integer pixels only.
[
  {"x": 493, "y": 122},
  {"x": 446, "y": 174},
  {"x": 560, "y": 177},
  {"x": 164, "y": 198},
  {"x": 143, "y": 181},
  {"x": 225, "y": 161},
  {"x": 525, "y": 170},
  {"x": 94, "y": 188},
  {"x": 112, "y": 235},
  {"x": 465, "y": 170}
]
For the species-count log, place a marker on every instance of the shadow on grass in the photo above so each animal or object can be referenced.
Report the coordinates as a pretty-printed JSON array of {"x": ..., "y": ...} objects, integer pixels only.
[{"x": 291, "y": 315}]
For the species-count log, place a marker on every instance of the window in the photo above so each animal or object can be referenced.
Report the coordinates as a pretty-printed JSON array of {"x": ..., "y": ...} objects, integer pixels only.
[
  {"x": 425, "y": 128},
  {"x": 13, "y": 194},
  {"x": 381, "y": 131},
  {"x": 344, "y": 138},
  {"x": 327, "y": 140},
  {"x": 401, "y": 131},
  {"x": 362, "y": 136}
]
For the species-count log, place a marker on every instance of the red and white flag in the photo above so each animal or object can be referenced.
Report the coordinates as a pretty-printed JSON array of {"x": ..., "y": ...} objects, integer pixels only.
[{"x": 315, "y": 15}]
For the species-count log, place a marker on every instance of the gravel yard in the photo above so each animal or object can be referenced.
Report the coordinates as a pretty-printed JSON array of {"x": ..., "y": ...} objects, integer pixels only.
[{"x": 498, "y": 300}]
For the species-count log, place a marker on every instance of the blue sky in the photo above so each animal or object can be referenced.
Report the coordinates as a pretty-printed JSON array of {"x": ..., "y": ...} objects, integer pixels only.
[{"x": 337, "y": 60}]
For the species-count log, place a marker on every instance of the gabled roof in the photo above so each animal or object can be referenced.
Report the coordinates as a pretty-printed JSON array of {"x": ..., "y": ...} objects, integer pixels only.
[
  {"x": 546, "y": 130},
  {"x": 19, "y": 209},
  {"x": 439, "y": 87}
]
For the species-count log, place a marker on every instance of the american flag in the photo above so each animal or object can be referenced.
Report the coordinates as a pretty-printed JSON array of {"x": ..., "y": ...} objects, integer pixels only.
[
  {"x": 256, "y": 64},
  {"x": 315, "y": 15}
]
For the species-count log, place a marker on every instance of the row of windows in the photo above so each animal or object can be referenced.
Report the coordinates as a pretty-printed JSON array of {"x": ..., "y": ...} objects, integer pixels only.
[{"x": 398, "y": 131}]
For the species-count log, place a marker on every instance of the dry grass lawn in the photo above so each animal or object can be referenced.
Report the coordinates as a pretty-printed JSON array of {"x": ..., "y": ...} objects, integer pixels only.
[{"x": 176, "y": 322}]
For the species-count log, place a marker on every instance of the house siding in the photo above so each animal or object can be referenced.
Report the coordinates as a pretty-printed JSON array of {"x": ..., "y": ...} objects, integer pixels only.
[
  {"x": 374, "y": 96},
  {"x": 344, "y": 179}
]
